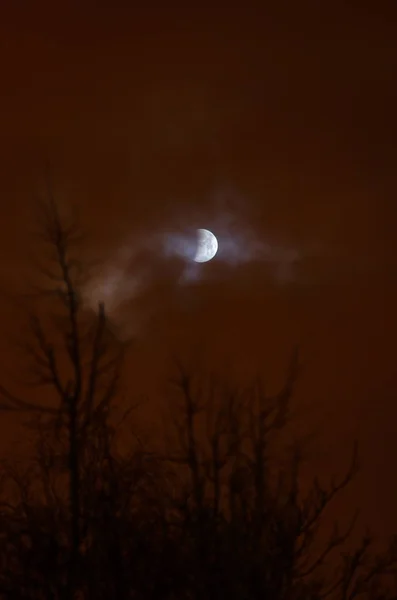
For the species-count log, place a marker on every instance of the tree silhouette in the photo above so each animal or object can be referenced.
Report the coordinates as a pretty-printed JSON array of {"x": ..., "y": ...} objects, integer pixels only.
[
  {"x": 73, "y": 352},
  {"x": 256, "y": 532},
  {"x": 219, "y": 513}
]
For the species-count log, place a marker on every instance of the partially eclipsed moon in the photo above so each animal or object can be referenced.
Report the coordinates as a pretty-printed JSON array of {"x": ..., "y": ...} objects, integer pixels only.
[{"x": 207, "y": 246}]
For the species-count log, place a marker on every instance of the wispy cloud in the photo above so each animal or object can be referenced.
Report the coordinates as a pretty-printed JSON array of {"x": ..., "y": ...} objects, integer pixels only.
[{"x": 140, "y": 263}]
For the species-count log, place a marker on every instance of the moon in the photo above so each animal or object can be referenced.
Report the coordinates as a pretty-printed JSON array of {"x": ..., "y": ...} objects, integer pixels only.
[{"x": 207, "y": 246}]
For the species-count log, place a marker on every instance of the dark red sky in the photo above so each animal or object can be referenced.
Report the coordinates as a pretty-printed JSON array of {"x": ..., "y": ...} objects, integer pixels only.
[{"x": 145, "y": 112}]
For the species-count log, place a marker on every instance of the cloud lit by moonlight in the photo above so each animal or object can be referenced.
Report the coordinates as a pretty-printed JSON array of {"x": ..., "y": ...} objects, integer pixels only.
[{"x": 177, "y": 256}]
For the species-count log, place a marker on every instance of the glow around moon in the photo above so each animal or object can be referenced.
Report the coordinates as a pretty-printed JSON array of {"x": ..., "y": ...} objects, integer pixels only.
[{"x": 207, "y": 246}]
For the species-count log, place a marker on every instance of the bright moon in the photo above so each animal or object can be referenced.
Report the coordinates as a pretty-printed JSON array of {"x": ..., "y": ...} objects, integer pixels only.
[{"x": 207, "y": 246}]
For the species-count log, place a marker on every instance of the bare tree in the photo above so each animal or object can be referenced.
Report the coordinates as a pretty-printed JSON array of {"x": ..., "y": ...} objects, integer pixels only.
[
  {"x": 147, "y": 533},
  {"x": 221, "y": 514},
  {"x": 245, "y": 503},
  {"x": 71, "y": 351}
]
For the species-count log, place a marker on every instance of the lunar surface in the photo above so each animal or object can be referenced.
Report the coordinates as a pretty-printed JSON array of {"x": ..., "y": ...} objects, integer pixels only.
[{"x": 207, "y": 246}]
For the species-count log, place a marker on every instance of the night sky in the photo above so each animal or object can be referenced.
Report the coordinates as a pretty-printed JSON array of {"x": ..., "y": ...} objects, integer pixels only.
[{"x": 276, "y": 128}]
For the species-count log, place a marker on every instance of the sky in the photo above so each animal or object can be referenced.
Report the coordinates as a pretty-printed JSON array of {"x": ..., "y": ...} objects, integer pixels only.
[{"x": 275, "y": 127}]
